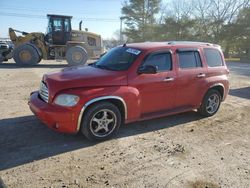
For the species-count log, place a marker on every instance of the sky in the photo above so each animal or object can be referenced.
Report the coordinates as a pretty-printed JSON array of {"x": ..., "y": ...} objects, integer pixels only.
[{"x": 99, "y": 16}]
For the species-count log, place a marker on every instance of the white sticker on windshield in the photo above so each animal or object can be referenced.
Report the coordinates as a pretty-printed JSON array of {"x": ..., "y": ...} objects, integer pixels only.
[{"x": 133, "y": 51}]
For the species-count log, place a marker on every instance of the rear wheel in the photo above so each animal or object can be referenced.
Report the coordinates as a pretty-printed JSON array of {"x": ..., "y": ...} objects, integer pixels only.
[
  {"x": 26, "y": 55},
  {"x": 76, "y": 55},
  {"x": 101, "y": 121},
  {"x": 210, "y": 104}
]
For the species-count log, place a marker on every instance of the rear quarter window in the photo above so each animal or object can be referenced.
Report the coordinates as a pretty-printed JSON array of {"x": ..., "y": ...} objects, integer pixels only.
[{"x": 213, "y": 57}]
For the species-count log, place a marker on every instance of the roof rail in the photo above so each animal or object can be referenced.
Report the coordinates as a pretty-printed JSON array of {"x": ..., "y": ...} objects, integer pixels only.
[{"x": 189, "y": 42}]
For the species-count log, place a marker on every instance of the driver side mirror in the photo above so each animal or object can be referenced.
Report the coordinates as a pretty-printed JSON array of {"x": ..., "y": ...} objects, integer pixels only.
[{"x": 147, "y": 69}]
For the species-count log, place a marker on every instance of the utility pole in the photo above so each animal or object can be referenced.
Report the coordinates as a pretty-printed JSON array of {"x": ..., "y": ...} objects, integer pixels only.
[{"x": 121, "y": 31}]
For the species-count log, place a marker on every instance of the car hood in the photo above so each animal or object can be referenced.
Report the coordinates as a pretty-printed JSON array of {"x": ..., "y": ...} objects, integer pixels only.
[{"x": 83, "y": 76}]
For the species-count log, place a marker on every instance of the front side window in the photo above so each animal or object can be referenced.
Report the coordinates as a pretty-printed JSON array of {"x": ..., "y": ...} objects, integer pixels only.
[
  {"x": 189, "y": 59},
  {"x": 213, "y": 57},
  {"x": 118, "y": 59},
  {"x": 161, "y": 60},
  {"x": 57, "y": 24}
]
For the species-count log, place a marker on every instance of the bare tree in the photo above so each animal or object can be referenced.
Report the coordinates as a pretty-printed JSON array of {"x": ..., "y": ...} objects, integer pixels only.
[
  {"x": 201, "y": 11},
  {"x": 223, "y": 12},
  {"x": 181, "y": 9}
]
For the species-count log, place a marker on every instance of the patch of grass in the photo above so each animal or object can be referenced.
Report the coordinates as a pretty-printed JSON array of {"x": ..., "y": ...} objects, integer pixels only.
[
  {"x": 232, "y": 59},
  {"x": 203, "y": 184}
]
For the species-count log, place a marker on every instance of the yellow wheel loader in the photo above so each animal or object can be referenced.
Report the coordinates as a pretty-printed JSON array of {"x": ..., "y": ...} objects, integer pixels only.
[{"x": 59, "y": 42}]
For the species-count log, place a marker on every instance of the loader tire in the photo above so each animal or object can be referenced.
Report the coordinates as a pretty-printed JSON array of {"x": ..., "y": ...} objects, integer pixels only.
[
  {"x": 76, "y": 55},
  {"x": 26, "y": 55}
]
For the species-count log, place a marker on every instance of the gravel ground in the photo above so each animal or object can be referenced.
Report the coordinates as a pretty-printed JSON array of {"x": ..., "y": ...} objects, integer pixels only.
[{"x": 183, "y": 150}]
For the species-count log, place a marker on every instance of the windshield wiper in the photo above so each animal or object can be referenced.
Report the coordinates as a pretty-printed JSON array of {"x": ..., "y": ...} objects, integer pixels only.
[
  {"x": 92, "y": 64},
  {"x": 103, "y": 67}
]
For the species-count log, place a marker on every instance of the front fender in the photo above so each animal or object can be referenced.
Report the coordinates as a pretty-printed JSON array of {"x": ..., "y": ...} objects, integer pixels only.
[{"x": 129, "y": 96}]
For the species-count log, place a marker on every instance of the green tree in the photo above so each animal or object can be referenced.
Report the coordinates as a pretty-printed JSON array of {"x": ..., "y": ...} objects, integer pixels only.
[
  {"x": 178, "y": 23},
  {"x": 140, "y": 18},
  {"x": 177, "y": 29},
  {"x": 241, "y": 29}
]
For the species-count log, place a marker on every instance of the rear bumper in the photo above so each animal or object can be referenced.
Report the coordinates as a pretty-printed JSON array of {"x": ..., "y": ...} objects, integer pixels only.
[{"x": 55, "y": 117}]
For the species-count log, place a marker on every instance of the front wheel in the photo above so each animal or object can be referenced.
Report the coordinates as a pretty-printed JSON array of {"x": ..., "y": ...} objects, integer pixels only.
[
  {"x": 1, "y": 58},
  {"x": 211, "y": 103},
  {"x": 101, "y": 121},
  {"x": 76, "y": 55},
  {"x": 26, "y": 54}
]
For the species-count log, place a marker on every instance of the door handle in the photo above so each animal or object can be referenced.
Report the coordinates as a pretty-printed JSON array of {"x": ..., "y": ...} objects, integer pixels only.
[
  {"x": 168, "y": 79},
  {"x": 201, "y": 75}
]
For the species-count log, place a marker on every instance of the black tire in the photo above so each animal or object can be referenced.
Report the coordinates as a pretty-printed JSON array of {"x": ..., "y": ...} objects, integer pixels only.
[
  {"x": 1, "y": 58},
  {"x": 89, "y": 125},
  {"x": 2, "y": 185},
  {"x": 207, "y": 107},
  {"x": 25, "y": 55},
  {"x": 76, "y": 55}
]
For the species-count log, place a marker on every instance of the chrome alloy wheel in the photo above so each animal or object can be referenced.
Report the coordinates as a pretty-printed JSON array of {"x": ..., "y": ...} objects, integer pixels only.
[
  {"x": 213, "y": 103},
  {"x": 103, "y": 123}
]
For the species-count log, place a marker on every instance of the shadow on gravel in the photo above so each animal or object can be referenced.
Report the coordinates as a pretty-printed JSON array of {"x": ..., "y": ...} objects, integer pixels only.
[
  {"x": 25, "y": 139},
  {"x": 241, "y": 92},
  {"x": 14, "y": 66}
]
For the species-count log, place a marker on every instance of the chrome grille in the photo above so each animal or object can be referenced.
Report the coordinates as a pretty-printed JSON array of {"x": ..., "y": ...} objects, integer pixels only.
[{"x": 43, "y": 92}]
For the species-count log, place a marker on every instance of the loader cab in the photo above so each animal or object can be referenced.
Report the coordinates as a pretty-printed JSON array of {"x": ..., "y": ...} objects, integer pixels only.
[{"x": 58, "y": 30}]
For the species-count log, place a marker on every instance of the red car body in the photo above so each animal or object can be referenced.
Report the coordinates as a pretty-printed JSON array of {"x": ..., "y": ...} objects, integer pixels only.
[{"x": 138, "y": 96}]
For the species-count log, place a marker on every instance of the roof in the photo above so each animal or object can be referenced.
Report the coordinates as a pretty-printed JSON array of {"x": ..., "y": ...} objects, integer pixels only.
[
  {"x": 150, "y": 45},
  {"x": 61, "y": 16}
]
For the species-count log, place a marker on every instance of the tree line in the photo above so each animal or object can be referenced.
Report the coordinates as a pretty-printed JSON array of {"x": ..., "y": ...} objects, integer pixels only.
[{"x": 225, "y": 22}]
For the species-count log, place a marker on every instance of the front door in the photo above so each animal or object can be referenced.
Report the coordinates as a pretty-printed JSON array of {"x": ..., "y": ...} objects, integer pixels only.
[
  {"x": 57, "y": 31},
  {"x": 61, "y": 29},
  {"x": 157, "y": 91}
]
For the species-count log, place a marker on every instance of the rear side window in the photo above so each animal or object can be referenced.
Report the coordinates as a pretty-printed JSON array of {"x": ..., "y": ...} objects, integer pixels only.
[
  {"x": 213, "y": 57},
  {"x": 161, "y": 60},
  {"x": 189, "y": 59}
]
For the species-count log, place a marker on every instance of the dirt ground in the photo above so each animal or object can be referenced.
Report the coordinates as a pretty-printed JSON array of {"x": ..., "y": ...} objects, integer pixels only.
[{"x": 178, "y": 151}]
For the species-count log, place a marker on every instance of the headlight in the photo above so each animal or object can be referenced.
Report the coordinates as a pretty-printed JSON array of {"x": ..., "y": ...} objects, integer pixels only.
[{"x": 66, "y": 100}]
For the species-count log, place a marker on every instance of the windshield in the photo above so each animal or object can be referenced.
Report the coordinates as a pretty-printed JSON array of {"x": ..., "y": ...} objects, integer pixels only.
[{"x": 118, "y": 59}]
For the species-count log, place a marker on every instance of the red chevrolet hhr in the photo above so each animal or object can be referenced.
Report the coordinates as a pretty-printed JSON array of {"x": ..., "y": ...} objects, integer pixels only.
[{"x": 130, "y": 83}]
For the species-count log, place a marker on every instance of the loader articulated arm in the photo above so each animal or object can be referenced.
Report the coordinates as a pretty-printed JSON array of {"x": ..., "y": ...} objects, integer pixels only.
[
  {"x": 22, "y": 32},
  {"x": 13, "y": 36}
]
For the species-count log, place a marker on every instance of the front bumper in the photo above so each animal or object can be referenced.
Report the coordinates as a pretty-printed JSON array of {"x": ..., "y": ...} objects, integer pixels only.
[{"x": 55, "y": 117}]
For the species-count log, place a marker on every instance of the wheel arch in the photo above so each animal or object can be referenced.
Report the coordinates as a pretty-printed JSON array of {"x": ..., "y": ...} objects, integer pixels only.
[
  {"x": 76, "y": 43},
  {"x": 220, "y": 88},
  {"x": 116, "y": 100}
]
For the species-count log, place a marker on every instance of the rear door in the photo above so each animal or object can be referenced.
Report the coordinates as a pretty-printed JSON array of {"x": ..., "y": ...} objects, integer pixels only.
[{"x": 191, "y": 77}]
